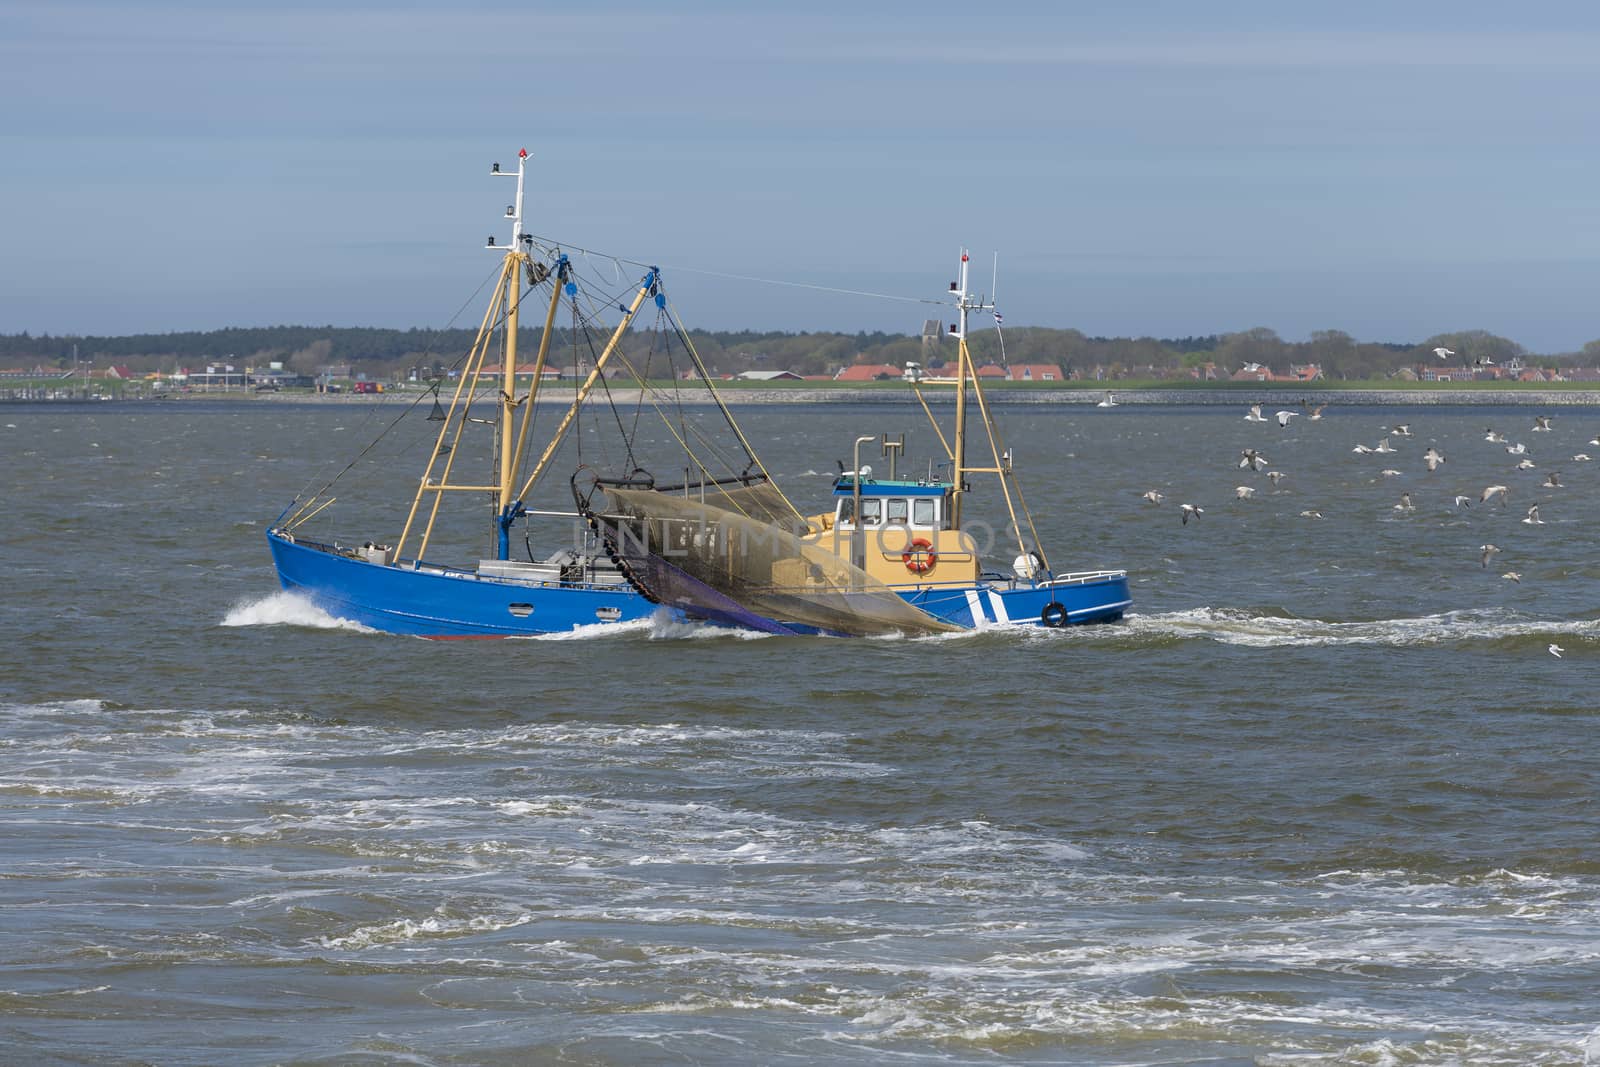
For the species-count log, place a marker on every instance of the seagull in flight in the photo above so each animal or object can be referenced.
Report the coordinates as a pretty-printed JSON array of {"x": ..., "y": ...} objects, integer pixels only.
[
  {"x": 1463, "y": 501},
  {"x": 1581, "y": 457},
  {"x": 1384, "y": 446},
  {"x": 1488, "y": 551},
  {"x": 1405, "y": 503},
  {"x": 1276, "y": 476},
  {"x": 1316, "y": 412},
  {"x": 1190, "y": 509},
  {"x": 1553, "y": 480},
  {"x": 1556, "y": 650},
  {"x": 1442, "y": 352},
  {"x": 1254, "y": 414},
  {"x": 1492, "y": 491},
  {"x": 1243, "y": 492},
  {"x": 1389, "y": 472},
  {"x": 1517, "y": 449},
  {"x": 1526, "y": 465},
  {"x": 1362, "y": 449},
  {"x": 1433, "y": 457},
  {"x": 1152, "y": 495},
  {"x": 1512, "y": 576},
  {"x": 1494, "y": 437},
  {"x": 1311, "y": 513},
  {"x": 1249, "y": 457},
  {"x": 1403, "y": 430},
  {"x": 1541, "y": 423},
  {"x": 1284, "y": 416},
  {"x": 1533, "y": 518}
]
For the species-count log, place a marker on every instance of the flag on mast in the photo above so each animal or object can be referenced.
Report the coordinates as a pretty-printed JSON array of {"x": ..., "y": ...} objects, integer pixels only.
[{"x": 999, "y": 319}]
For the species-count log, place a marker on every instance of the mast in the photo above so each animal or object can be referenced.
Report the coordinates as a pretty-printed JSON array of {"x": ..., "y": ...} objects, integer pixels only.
[
  {"x": 511, "y": 279},
  {"x": 506, "y": 302},
  {"x": 965, "y": 371},
  {"x": 966, "y": 303}
]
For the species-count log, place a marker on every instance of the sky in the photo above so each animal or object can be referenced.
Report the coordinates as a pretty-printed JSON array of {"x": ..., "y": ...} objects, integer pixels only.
[{"x": 1167, "y": 169}]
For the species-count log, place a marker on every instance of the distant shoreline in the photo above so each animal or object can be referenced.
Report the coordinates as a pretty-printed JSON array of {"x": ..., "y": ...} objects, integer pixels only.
[
  {"x": 1272, "y": 397},
  {"x": 1277, "y": 397}
]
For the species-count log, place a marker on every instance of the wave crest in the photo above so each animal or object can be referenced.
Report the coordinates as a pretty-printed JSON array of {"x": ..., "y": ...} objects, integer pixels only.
[
  {"x": 1235, "y": 626},
  {"x": 284, "y": 608}
]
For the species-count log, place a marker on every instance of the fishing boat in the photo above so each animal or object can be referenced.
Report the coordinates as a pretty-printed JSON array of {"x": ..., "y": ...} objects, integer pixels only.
[
  {"x": 400, "y": 583},
  {"x": 890, "y": 555},
  {"x": 716, "y": 540}
]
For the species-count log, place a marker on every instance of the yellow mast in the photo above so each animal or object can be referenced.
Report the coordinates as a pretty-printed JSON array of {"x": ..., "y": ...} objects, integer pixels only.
[
  {"x": 507, "y": 296},
  {"x": 959, "y": 455},
  {"x": 466, "y": 384},
  {"x": 539, "y": 362},
  {"x": 965, "y": 371},
  {"x": 508, "y": 378}
]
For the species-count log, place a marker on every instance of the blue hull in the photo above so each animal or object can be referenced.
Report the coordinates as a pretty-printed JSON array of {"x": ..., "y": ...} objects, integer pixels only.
[
  {"x": 449, "y": 603},
  {"x": 1101, "y": 597},
  {"x": 445, "y": 603}
]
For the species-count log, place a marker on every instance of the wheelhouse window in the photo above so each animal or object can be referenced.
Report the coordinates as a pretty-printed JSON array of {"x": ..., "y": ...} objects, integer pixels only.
[
  {"x": 871, "y": 512},
  {"x": 924, "y": 512},
  {"x": 898, "y": 510}
]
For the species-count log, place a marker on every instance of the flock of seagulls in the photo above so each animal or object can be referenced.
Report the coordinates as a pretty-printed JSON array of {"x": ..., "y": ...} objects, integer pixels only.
[{"x": 1433, "y": 458}]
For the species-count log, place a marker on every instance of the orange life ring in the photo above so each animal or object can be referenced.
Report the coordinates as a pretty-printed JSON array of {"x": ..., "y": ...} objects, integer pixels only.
[{"x": 919, "y": 556}]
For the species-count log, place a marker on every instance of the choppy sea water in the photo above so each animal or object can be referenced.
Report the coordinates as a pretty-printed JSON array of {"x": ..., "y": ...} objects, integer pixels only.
[{"x": 1325, "y": 797}]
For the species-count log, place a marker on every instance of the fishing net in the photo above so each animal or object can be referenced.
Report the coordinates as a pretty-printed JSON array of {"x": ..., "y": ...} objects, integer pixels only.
[{"x": 737, "y": 556}]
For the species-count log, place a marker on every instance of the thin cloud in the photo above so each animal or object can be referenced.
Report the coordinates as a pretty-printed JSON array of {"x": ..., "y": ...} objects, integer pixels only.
[{"x": 1261, "y": 50}]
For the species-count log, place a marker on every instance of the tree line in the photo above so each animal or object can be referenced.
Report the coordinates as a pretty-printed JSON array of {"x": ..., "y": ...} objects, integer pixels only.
[{"x": 390, "y": 352}]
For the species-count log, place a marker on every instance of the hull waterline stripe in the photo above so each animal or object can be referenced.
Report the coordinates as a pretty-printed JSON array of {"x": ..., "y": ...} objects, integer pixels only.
[
  {"x": 998, "y": 603},
  {"x": 978, "y": 617},
  {"x": 1101, "y": 607}
]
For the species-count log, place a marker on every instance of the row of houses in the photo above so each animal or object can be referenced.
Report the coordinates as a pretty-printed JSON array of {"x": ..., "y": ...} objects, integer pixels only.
[
  {"x": 226, "y": 375},
  {"x": 883, "y": 372},
  {"x": 1515, "y": 369},
  {"x": 39, "y": 370},
  {"x": 1258, "y": 372}
]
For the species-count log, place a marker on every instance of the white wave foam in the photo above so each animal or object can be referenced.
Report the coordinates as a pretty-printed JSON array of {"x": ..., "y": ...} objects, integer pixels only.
[
  {"x": 284, "y": 608},
  {"x": 664, "y": 627},
  {"x": 437, "y": 926},
  {"x": 595, "y": 629},
  {"x": 87, "y": 706},
  {"x": 942, "y": 843},
  {"x": 658, "y": 626},
  {"x": 1238, "y": 627},
  {"x": 47, "y": 994}
]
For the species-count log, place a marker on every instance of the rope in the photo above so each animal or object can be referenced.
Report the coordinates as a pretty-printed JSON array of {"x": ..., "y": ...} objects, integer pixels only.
[
  {"x": 727, "y": 415},
  {"x": 741, "y": 277},
  {"x": 427, "y": 350}
]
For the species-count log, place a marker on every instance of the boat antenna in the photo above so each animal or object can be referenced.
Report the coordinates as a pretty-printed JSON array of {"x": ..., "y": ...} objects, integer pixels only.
[{"x": 513, "y": 211}]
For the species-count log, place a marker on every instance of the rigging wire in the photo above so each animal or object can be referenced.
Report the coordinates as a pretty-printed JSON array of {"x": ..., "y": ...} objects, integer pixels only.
[
  {"x": 680, "y": 269},
  {"x": 427, "y": 349}
]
